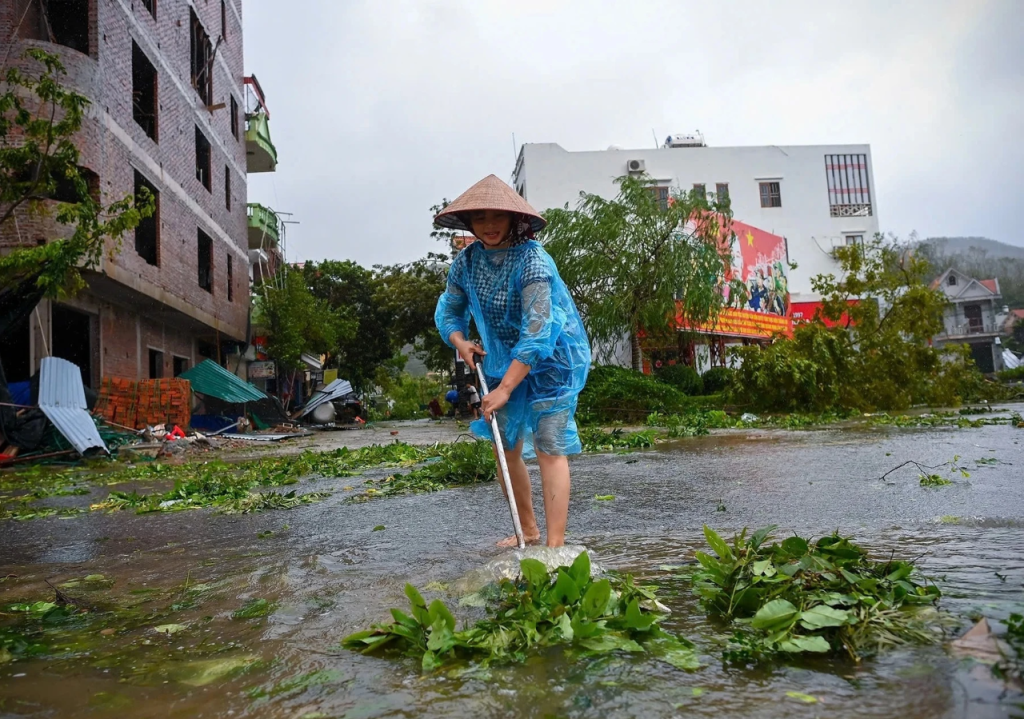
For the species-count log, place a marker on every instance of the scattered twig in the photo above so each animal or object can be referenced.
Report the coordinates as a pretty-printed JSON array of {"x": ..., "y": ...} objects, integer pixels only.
[
  {"x": 60, "y": 598},
  {"x": 920, "y": 467}
]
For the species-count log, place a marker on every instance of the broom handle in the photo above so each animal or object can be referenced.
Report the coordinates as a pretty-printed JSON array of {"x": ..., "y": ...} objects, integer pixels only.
[{"x": 502, "y": 463}]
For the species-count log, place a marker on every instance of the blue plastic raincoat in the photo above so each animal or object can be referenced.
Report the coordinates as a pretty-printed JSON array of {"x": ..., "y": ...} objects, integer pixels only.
[{"x": 522, "y": 310}]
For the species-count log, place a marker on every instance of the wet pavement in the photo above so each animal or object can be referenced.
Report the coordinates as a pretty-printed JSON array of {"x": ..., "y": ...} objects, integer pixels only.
[{"x": 329, "y": 569}]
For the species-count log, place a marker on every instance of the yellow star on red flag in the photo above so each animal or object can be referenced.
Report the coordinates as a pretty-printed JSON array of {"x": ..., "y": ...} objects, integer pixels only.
[{"x": 750, "y": 238}]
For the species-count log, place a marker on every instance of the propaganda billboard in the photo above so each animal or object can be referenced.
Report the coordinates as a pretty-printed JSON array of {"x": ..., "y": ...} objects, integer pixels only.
[{"x": 754, "y": 284}]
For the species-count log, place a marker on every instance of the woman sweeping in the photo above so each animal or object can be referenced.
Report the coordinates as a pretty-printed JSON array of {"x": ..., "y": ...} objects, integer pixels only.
[{"x": 535, "y": 351}]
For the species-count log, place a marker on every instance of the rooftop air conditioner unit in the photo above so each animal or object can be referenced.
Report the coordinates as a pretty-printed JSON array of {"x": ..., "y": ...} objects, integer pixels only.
[{"x": 636, "y": 166}]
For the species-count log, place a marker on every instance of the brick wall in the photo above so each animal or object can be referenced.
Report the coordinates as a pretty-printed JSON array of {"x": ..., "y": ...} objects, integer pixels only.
[{"x": 114, "y": 146}]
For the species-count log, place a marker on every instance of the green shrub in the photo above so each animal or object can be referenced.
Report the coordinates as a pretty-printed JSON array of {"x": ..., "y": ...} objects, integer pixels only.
[
  {"x": 615, "y": 394},
  {"x": 410, "y": 395},
  {"x": 718, "y": 379},
  {"x": 683, "y": 378},
  {"x": 1011, "y": 375}
]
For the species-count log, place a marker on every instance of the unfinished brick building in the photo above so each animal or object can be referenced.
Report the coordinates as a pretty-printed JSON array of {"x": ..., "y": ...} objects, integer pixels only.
[{"x": 171, "y": 110}]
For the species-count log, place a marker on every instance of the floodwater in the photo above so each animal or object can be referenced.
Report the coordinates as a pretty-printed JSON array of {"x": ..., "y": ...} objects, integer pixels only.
[{"x": 328, "y": 569}]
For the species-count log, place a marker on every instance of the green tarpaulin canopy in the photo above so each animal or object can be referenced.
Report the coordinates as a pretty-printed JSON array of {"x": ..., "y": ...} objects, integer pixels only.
[{"x": 211, "y": 379}]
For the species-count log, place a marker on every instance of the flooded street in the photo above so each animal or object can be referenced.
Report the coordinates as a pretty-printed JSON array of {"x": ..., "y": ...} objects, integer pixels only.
[{"x": 242, "y": 615}]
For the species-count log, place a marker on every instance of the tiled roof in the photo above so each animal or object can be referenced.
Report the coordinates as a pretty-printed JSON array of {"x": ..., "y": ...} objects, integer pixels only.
[{"x": 991, "y": 286}]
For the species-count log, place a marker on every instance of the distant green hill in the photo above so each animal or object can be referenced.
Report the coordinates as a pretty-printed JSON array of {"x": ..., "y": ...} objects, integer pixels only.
[{"x": 957, "y": 245}]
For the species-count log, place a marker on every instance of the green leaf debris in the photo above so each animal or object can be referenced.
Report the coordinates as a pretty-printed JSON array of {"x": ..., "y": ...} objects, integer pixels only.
[{"x": 538, "y": 609}]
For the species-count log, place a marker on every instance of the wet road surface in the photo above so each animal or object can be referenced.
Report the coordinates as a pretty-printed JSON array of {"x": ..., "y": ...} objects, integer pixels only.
[{"x": 330, "y": 573}]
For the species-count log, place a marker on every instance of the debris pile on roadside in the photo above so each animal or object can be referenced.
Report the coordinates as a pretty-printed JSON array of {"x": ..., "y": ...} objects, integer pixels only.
[{"x": 54, "y": 417}]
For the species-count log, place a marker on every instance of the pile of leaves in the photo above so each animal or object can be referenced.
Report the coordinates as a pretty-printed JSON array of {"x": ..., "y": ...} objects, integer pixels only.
[
  {"x": 692, "y": 423},
  {"x": 231, "y": 487},
  {"x": 595, "y": 439},
  {"x": 456, "y": 464},
  {"x": 536, "y": 610},
  {"x": 794, "y": 596}
]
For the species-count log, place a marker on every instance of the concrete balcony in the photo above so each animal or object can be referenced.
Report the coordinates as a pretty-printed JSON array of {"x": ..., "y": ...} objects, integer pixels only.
[
  {"x": 264, "y": 227},
  {"x": 969, "y": 330},
  {"x": 260, "y": 153}
]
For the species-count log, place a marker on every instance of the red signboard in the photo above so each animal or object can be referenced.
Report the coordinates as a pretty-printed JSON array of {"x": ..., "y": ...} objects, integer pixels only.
[{"x": 755, "y": 285}]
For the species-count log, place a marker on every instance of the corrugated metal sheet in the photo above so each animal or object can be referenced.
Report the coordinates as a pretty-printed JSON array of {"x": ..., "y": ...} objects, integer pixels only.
[
  {"x": 62, "y": 399},
  {"x": 211, "y": 379},
  {"x": 266, "y": 437},
  {"x": 335, "y": 390}
]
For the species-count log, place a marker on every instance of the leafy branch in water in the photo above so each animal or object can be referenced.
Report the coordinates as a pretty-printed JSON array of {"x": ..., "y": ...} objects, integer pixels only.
[
  {"x": 929, "y": 478},
  {"x": 536, "y": 610},
  {"x": 797, "y": 597}
]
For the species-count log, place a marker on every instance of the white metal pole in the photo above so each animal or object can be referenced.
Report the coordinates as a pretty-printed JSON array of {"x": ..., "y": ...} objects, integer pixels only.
[{"x": 502, "y": 464}]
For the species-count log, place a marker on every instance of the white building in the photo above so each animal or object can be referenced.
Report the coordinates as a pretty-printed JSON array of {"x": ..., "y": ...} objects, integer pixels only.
[
  {"x": 816, "y": 196},
  {"x": 974, "y": 316}
]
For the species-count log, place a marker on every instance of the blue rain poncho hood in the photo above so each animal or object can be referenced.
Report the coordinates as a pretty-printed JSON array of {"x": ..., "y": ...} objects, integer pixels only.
[{"x": 523, "y": 311}]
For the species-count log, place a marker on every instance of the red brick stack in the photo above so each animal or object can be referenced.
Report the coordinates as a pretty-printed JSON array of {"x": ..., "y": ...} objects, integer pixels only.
[{"x": 147, "y": 402}]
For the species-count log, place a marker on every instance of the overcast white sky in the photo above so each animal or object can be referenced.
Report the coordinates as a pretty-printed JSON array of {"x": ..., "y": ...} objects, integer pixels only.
[{"x": 380, "y": 109}]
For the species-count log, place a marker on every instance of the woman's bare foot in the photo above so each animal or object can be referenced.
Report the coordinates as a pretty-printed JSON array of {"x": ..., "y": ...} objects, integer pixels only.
[{"x": 513, "y": 541}]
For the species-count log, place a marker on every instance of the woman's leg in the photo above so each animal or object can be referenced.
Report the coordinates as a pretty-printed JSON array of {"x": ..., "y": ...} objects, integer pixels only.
[
  {"x": 554, "y": 477},
  {"x": 520, "y": 477}
]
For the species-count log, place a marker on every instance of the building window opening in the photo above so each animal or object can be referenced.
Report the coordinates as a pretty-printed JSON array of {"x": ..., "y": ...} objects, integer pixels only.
[
  {"x": 180, "y": 365},
  {"x": 156, "y": 364},
  {"x": 852, "y": 240},
  {"x": 205, "y": 258},
  {"x": 234, "y": 117},
  {"x": 151, "y": 6},
  {"x": 771, "y": 195},
  {"x": 144, "y": 103},
  {"x": 973, "y": 315},
  {"x": 202, "y": 59},
  {"x": 661, "y": 195},
  {"x": 147, "y": 232},
  {"x": 701, "y": 189},
  {"x": 203, "y": 159},
  {"x": 71, "y": 335},
  {"x": 223, "y": 19},
  {"x": 14, "y": 351},
  {"x": 227, "y": 187},
  {"x": 849, "y": 191},
  {"x": 722, "y": 191},
  {"x": 64, "y": 22},
  {"x": 231, "y": 279},
  {"x": 61, "y": 188},
  {"x": 951, "y": 280}
]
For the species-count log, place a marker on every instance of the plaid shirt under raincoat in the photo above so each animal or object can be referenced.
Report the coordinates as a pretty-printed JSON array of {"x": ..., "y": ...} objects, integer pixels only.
[{"x": 522, "y": 311}]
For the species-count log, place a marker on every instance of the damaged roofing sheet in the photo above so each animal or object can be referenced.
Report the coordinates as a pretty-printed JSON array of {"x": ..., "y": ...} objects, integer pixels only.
[
  {"x": 211, "y": 379},
  {"x": 335, "y": 390},
  {"x": 62, "y": 400}
]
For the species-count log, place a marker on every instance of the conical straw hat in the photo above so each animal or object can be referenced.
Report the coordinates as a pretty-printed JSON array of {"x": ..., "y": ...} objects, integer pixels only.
[{"x": 488, "y": 194}]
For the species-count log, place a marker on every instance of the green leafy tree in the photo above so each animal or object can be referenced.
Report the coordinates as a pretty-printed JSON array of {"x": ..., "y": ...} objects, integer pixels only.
[
  {"x": 443, "y": 234},
  {"x": 298, "y": 323},
  {"x": 876, "y": 354},
  {"x": 345, "y": 285},
  {"x": 409, "y": 294},
  {"x": 39, "y": 119},
  {"x": 634, "y": 263}
]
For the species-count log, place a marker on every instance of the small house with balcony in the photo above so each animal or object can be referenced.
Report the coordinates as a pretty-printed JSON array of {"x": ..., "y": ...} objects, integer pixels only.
[{"x": 970, "y": 317}]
